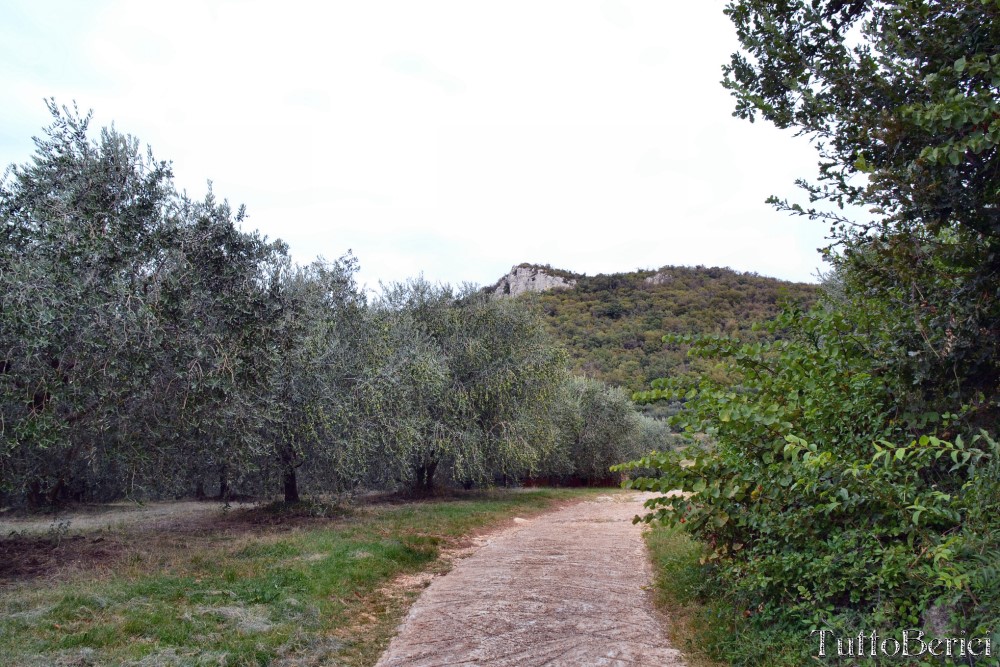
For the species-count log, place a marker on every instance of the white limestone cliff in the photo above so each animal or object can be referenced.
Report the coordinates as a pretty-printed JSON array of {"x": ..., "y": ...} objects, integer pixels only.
[{"x": 529, "y": 279}]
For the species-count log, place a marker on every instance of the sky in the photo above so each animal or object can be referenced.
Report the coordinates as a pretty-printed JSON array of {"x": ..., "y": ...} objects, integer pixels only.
[{"x": 450, "y": 138}]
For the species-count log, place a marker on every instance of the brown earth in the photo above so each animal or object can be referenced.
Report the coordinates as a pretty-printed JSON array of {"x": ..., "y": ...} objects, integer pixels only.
[
  {"x": 88, "y": 518},
  {"x": 568, "y": 587},
  {"x": 91, "y": 539}
]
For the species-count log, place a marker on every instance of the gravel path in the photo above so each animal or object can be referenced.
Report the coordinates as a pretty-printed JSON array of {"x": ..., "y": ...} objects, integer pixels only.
[{"x": 566, "y": 588}]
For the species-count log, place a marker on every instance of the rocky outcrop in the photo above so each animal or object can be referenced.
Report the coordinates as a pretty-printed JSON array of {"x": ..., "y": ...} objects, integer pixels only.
[
  {"x": 659, "y": 278},
  {"x": 526, "y": 278}
]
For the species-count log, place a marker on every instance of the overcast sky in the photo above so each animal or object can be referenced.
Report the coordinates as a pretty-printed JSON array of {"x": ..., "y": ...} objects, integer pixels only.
[{"x": 453, "y": 138}]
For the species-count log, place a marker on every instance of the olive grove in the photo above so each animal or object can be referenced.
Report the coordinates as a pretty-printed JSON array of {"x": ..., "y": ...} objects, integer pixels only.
[{"x": 150, "y": 346}]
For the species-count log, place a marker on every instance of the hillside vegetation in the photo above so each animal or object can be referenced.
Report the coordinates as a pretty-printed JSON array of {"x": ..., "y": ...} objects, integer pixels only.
[{"x": 613, "y": 324}]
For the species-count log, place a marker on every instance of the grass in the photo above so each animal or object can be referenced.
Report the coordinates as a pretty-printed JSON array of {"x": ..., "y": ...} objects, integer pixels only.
[
  {"x": 706, "y": 623},
  {"x": 323, "y": 591},
  {"x": 679, "y": 578}
]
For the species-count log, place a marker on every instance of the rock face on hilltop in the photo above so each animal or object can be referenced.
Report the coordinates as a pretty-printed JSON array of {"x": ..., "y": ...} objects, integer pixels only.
[
  {"x": 531, "y": 278},
  {"x": 661, "y": 277}
]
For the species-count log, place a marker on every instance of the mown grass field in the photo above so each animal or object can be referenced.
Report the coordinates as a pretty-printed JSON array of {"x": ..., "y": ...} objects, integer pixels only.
[{"x": 247, "y": 587}]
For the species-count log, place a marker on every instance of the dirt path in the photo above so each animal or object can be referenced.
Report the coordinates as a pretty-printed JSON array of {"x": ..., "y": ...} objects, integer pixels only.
[{"x": 566, "y": 588}]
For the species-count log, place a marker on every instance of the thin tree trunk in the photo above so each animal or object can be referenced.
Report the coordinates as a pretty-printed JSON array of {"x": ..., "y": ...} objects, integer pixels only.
[
  {"x": 224, "y": 483},
  {"x": 35, "y": 495},
  {"x": 291, "y": 484},
  {"x": 289, "y": 479},
  {"x": 420, "y": 476},
  {"x": 429, "y": 479}
]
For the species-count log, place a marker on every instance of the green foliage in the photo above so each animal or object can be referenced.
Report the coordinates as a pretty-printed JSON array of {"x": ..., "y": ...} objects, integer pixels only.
[
  {"x": 466, "y": 387},
  {"x": 612, "y": 325},
  {"x": 127, "y": 320},
  {"x": 686, "y": 596},
  {"x": 843, "y": 471},
  {"x": 597, "y": 426},
  {"x": 149, "y": 346},
  {"x": 317, "y": 353},
  {"x": 824, "y": 505},
  {"x": 901, "y": 99},
  {"x": 213, "y": 361}
]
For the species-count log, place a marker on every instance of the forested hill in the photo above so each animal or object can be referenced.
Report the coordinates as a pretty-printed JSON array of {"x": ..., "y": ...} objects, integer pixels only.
[{"x": 613, "y": 324}]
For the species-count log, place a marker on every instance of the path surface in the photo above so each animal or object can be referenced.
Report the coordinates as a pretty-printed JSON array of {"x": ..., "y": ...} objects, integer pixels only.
[{"x": 566, "y": 588}]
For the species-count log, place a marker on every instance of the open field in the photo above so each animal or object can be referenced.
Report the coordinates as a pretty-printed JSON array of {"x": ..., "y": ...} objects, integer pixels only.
[
  {"x": 246, "y": 586},
  {"x": 110, "y": 516}
]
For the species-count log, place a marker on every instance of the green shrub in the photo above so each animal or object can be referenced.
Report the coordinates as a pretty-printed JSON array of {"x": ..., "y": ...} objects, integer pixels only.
[
  {"x": 823, "y": 505},
  {"x": 595, "y": 427}
]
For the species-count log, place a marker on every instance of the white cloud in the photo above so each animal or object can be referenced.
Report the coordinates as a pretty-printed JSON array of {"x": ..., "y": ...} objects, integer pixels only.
[{"x": 451, "y": 137}]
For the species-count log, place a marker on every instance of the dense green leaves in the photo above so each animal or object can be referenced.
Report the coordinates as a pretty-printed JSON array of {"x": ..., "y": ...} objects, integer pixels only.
[
  {"x": 901, "y": 100},
  {"x": 316, "y": 352},
  {"x": 475, "y": 378},
  {"x": 127, "y": 322},
  {"x": 839, "y": 475},
  {"x": 597, "y": 427},
  {"x": 823, "y": 503}
]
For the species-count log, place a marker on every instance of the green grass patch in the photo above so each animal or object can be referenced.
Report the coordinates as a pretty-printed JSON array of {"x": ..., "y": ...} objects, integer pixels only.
[
  {"x": 707, "y": 622},
  {"x": 311, "y": 594},
  {"x": 680, "y": 581}
]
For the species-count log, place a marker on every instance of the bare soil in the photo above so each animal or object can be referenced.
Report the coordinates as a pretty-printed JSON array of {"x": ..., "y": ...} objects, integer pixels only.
[
  {"x": 93, "y": 538},
  {"x": 569, "y": 587},
  {"x": 87, "y": 518}
]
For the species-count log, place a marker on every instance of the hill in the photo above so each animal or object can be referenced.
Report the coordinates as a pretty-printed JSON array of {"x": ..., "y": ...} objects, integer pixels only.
[{"x": 613, "y": 324}]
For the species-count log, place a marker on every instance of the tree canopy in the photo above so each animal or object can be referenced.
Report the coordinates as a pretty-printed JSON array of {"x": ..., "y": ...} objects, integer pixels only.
[
  {"x": 151, "y": 346},
  {"x": 902, "y": 100}
]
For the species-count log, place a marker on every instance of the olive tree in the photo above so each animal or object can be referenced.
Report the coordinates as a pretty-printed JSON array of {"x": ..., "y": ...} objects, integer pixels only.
[
  {"x": 597, "y": 426},
  {"x": 128, "y": 314},
  {"x": 475, "y": 379},
  {"x": 316, "y": 362},
  {"x": 81, "y": 226},
  {"x": 216, "y": 306}
]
